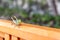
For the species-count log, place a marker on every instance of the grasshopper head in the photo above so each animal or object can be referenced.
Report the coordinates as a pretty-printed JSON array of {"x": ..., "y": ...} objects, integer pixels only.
[{"x": 19, "y": 20}]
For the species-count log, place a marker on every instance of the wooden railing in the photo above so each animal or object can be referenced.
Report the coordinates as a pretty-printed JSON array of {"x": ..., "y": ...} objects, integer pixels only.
[{"x": 9, "y": 31}]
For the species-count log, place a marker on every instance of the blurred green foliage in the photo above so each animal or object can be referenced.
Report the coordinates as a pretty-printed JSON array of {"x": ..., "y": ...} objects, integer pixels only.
[
  {"x": 6, "y": 12},
  {"x": 46, "y": 19},
  {"x": 24, "y": 14},
  {"x": 36, "y": 18}
]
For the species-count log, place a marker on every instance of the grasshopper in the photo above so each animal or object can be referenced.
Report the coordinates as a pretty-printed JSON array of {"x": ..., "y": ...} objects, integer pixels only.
[{"x": 16, "y": 20}]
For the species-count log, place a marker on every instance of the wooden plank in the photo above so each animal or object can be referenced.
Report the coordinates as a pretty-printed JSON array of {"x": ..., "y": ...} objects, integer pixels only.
[
  {"x": 2, "y": 34},
  {"x": 1, "y": 38},
  {"x": 21, "y": 39},
  {"x": 33, "y": 34},
  {"x": 29, "y": 31},
  {"x": 7, "y": 37},
  {"x": 14, "y": 38}
]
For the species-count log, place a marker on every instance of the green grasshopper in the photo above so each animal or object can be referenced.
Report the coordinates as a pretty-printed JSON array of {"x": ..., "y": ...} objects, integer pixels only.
[{"x": 15, "y": 20}]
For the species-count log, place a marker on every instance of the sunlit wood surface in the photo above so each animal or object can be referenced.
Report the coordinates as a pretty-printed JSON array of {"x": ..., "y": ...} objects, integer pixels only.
[{"x": 25, "y": 31}]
